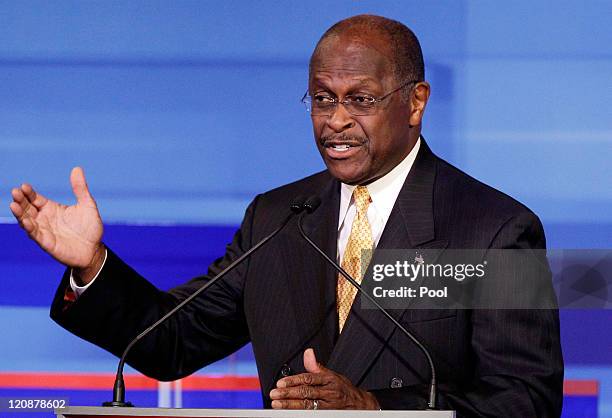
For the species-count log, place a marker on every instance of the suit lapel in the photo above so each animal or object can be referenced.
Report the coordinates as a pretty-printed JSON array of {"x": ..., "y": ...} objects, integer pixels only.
[{"x": 410, "y": 225}]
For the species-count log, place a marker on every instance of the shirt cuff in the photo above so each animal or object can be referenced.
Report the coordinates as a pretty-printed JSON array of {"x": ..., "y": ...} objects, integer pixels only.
[{"x": 78, "y": 290}]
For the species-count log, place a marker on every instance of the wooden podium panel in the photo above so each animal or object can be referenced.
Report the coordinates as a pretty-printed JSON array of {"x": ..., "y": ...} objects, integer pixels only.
[{"x": 89, "y": 412}]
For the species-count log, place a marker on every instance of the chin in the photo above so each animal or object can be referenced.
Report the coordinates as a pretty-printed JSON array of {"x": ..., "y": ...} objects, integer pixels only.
[{"x": 347, "y": 177}]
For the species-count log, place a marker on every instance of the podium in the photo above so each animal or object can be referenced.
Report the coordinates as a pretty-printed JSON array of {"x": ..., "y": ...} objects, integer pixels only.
[{"x": 90, "y": 411}]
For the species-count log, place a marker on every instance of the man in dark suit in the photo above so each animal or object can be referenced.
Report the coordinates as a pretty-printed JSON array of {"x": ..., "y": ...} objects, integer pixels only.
[{"x": 383, "y": 188}]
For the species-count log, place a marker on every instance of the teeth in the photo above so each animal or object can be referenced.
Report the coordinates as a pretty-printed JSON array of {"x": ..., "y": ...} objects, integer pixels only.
[{"x": 342, "y": 147}]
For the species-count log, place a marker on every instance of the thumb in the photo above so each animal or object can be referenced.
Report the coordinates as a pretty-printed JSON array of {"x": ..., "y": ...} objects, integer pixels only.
[
  {"x": 310, "y": 362},
  {"x": 79, "y": 186}
]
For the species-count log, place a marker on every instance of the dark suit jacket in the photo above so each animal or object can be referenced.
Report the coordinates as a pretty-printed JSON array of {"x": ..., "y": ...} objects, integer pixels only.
[{"x": 489, "y": 362}]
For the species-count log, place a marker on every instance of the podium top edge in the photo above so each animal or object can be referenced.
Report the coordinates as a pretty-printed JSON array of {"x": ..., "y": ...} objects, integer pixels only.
[{"x": 90, "y": 411}]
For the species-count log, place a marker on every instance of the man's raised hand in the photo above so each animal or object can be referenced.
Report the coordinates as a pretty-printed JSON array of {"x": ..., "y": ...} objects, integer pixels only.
[{"x": 70, "y": 234}]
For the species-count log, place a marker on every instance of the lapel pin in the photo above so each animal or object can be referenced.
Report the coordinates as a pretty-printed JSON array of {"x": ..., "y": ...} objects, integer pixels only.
[{"x": 418, "y": 258}]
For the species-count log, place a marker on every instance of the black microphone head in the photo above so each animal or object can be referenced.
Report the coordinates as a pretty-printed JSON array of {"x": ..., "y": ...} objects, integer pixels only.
[
  {"x": 312, "y": 203},
  {"x": 297, "y": 204}
]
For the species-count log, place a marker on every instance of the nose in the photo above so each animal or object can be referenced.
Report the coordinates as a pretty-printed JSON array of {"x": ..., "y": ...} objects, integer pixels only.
[{"x": 340, "y": 119}]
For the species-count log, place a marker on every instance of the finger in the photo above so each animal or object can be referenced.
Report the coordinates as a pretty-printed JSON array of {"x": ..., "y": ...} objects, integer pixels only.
[
  {"x": 34, "y": 198},
  {"x": 17, "y": 210},
  {"x": 293, "y": 404},
  {"x": 79, "y": 186},
  {"x": 21, "y": 207},
  {"x": 310, "y": 362},
  {"x": 301, "y": 392},
  {"x": 308, "y": 379},
  {"x": 29, "y": 226},
  {"x": 18, "y": 195},
  {"x": 25, "y": 219}
]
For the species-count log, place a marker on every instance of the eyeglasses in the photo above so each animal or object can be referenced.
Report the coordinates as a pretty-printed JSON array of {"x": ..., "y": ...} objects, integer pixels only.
[{"x": 324, "y": 104}]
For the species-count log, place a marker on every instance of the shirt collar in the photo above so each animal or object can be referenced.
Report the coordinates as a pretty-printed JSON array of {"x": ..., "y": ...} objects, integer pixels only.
[{"x": 383, "y": 191}]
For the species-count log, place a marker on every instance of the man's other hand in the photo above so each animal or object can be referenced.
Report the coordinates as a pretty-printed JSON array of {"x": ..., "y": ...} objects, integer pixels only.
[
  {"x": 70, "y": 234},
  {"x": 321, "y": 388}
]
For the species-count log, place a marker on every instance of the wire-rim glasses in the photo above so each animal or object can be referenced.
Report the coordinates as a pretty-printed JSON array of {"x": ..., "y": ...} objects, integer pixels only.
[{"x": 324, "y": 104}]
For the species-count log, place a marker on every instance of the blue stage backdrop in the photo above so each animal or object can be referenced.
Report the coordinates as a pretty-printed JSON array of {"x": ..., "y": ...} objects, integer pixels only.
[{"x": 181, "y": 112}]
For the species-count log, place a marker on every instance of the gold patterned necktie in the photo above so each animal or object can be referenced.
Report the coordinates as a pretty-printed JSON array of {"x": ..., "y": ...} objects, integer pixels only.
[{"x": 353, "y": 261}]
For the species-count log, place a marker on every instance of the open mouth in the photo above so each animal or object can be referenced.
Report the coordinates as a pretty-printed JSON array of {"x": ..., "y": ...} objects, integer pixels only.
[
  {"x": 341, "y": 147},
  {"x": 341, "y": 150}
]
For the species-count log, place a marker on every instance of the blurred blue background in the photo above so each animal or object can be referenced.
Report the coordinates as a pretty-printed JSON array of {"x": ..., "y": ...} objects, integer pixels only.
[{"x": 180, "y": 112}]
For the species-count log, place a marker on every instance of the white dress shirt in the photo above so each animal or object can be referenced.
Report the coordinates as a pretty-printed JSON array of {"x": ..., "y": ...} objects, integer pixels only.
[
  {"x": 383, "y": 193},
  {"x": 78, "y": 290}
]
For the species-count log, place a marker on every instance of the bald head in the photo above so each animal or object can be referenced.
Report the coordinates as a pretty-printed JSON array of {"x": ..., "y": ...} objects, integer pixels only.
[{"x": 389, "y": 37}]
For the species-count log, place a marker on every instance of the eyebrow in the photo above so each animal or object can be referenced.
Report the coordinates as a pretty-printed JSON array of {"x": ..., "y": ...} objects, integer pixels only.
[{"x": 360, "y": 81}]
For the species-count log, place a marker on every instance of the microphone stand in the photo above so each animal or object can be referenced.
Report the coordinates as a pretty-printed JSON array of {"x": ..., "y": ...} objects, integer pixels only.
[
  {"x": 119, "y": 386},
  {"x": 310, "y": 206}
]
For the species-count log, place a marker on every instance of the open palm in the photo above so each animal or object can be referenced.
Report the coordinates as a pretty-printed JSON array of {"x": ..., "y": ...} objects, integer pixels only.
[{"x": 70, "y": 234}]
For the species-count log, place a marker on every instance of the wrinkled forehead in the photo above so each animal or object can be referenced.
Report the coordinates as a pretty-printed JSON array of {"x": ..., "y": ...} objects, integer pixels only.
[{"x": 352, "y": 57}]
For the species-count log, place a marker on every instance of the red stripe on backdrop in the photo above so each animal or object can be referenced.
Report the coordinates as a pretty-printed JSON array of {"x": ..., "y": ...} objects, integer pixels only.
[
  {"x": 581, "y": 388},
  {"x": 226, "y": 382},
  {"x": 95, "y": 381}
]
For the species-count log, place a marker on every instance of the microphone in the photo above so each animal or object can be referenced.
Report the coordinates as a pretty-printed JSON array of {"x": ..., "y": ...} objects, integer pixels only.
[
  {"x": 310, "y": 205},
  {"x": 297, "y": 206}
]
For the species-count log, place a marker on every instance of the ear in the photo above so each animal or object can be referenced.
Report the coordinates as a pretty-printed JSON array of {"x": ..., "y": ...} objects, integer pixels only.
[{"x": 418, "y": 100}]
